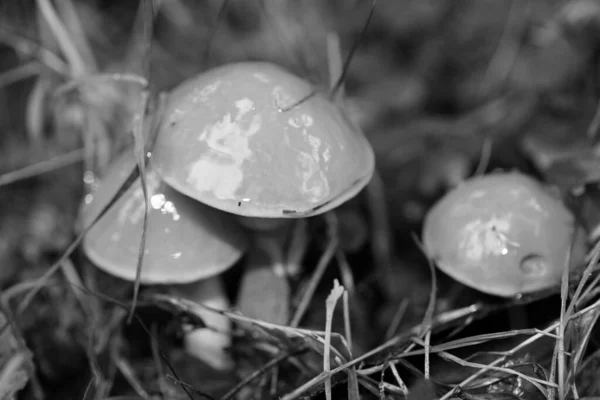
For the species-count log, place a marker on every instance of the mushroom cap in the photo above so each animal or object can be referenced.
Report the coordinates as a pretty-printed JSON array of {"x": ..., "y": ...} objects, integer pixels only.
[
  {"x": 186, "y": 241},
  {"x": 233, "y": 139},
  {"x": 503, "y": 234}
]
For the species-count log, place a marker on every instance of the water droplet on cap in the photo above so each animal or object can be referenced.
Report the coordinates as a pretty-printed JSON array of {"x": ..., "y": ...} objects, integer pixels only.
[
  {"x": 533, "y": 265},
  {"x": 89, "y": 178}
]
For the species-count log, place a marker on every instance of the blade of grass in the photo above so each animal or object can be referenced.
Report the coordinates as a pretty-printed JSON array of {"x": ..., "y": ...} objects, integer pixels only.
[
  {"x": 187, "y": 387},
  {"x": 143, "y": 30},
  {"x": 42, "y": 167},
  {"x": 500, "y": 360},
  {"x": 213, "y": 32},
  {"x": 428, "y": 318},
  {"x": 162, "y": 381},
  {"x": 314, "y": 281},
  {"x": 567, "y": 311},
  {"x": 552, "y": 377},
  {"x": 579, "y": 354},
  {"x": 564, "y": 295},
  {"x": 340, "y": 81},
  {"x": 507, "y": 50},
  {"x": 381, "y": 248},
  {"x": 73, "y": 26},
  {"x": 98, "y": 79},
  {"x": 336, "y": 293},
  {"x": 140, "y": 42},
  {"x": 130, "y": 376},
  {"x": 335, "y": 62},
  {"x": 353, "y": 392},
  {"x": 580, "y": 293},
  {"x": 345, "y": 272},
  {"x": 486, "y": 153},
  {"x": 401, "y": 385},
  {"x": 398, "y": 315},
  {"x": 271, "y": 364},
  {"x": 71, "y": 276},
  {"x": 185, "y": 306},
  {"x": 28, "y": 48},
  {"x": 101, "y": 384},
  {"x": 19, "y": 73},
  {"x": 297, "y": 247},
  {"x": 68, "y": 48},
  {"x": 12, "y": 377},
  {"x": 35, "y": 108},
  {"x": 534, "y": 381},
  {"x": 139, "y": 151}
]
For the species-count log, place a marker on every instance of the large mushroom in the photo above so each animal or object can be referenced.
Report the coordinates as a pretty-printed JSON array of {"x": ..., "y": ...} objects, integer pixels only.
[
  {"x": 250, "y": 139},
  {"x": 503, "y": 234},
  {"x": 187, "y": 246},
  {"x": 236, "y": 138}
]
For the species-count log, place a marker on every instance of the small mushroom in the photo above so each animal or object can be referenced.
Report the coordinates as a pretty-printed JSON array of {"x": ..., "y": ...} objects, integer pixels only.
[
  {"x": 254, "y": 140},
  {"x": 187, "y": 246},
  {"x": 503, "y": 234}
]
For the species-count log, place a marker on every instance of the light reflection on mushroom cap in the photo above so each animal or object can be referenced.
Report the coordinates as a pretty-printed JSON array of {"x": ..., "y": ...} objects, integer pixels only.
[
  {"x": 502, "y": 234},
  {"x": 186, "y": 241},
  {"x": 226, "y": 142}
]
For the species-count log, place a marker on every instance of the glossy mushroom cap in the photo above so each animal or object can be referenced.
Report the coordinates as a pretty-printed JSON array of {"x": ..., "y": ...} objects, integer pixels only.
[
  {"x": 186, "y": 241},
  {"x": 502, "y": 234},
  {"x": 228, "y": 141}
]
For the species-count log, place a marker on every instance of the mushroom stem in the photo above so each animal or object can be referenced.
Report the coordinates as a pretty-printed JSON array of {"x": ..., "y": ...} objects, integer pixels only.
[
  {"x": 269, "y": 237},
  {"x": 284, "y": 240},
  {"x": 265, "y": 292},
  {"x": 256, "y": 224},
  {"x": 208, "y": 344}
]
